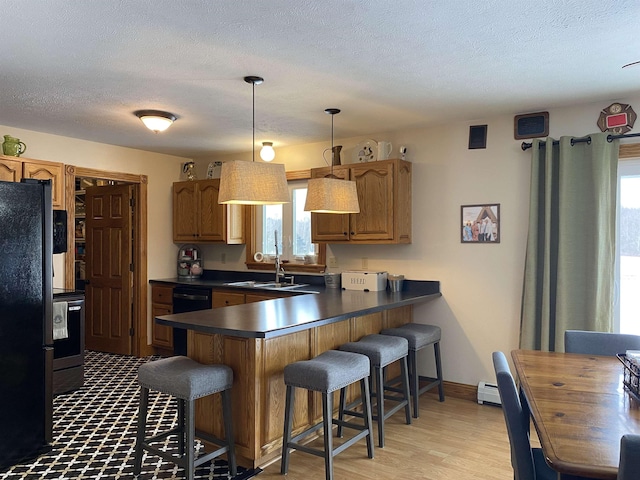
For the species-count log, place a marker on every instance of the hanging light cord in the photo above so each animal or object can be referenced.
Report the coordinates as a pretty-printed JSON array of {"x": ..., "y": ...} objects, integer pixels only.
[
  {"x": 253, "y": 120},
  {"x": 332, "y": 144},
  {"x": 333, "y": 112},
  {"x": 252, "y": 79}
]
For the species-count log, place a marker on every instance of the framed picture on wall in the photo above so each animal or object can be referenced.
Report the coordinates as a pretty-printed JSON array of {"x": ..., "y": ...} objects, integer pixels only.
[{"x": 480, "y": 223}]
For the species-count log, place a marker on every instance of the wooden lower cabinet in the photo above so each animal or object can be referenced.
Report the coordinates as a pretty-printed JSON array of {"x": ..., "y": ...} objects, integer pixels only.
[
  {"x": 161, "y": 304},
  {"x": 258, "y": 386},
  {"x": 221, "y": 298}
]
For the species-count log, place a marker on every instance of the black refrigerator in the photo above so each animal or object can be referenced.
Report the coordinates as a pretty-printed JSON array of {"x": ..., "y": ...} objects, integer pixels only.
[{"x": 26, "y": 333}]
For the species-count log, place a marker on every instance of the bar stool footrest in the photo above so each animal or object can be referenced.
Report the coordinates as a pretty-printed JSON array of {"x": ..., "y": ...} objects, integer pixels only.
[{"x": 432, "y": 382}]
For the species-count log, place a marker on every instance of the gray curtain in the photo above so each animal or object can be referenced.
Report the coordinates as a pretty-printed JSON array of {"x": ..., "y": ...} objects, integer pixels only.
[{"x": 569, "y": 267}]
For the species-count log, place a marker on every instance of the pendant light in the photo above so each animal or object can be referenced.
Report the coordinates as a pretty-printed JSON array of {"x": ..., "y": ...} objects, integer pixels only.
[
  {"x": 156, "y": 120},
  {"x": 331, "y": 194},
  {"x": 251, "y": 183},
  {"x": 267, "y": 153}
]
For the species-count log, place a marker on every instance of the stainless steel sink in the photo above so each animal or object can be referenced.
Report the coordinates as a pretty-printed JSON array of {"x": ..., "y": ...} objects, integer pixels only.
[
  {"x": 248, "y": 283},
  {"x": 266, "y": 285},
  {"x": 280, "y": 286}
]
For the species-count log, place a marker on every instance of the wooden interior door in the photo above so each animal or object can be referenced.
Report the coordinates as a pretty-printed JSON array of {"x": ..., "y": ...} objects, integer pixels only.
[{"x": 109, "y": 269}]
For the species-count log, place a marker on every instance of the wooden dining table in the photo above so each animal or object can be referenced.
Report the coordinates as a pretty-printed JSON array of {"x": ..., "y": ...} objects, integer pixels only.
[{"x": 580, "y": 409}]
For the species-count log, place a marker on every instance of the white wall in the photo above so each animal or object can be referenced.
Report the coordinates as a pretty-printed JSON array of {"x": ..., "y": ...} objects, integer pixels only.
[{"x": 481, "y": 284}]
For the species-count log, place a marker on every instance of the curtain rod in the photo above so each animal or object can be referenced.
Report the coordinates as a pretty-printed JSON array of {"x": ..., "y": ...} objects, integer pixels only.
[{"x": 610, "y": 138}]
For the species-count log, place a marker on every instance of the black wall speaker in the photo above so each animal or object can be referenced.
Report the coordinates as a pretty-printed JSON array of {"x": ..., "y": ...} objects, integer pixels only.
[{"x": 59, "y": 231}]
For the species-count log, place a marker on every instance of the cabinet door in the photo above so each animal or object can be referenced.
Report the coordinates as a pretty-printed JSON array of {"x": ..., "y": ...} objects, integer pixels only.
[
  {"x": 374, "y": 182},
  {"x": 47, "y": 171},
  {"x": 330, "y": 227},
  {"x": 226, "y": 299},
  {"x": 162, "y": 294},
  {"x": 212, "y": 218},
  {"x": 161, "y": 335},
  {"x": 403, "y": 197},
  {"x": 162, "y": 304},
  {"x": 10, "y": 170},
  {"x": 185, "y": 212},
  {"x": 235, "y": 224}
]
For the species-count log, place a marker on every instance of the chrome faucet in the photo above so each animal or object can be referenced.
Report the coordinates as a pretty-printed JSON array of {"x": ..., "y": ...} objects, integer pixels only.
[{"x": 279, "y": 268}]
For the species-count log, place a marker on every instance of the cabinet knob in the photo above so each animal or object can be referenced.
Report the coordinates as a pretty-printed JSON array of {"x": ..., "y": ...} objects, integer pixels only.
[
  {"x": 344, "y": 233},
  {"x": 353, "y": 233}
]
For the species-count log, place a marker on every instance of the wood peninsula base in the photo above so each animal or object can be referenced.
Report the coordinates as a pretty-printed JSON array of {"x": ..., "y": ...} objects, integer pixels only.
[{"x": 258, "y": 387}]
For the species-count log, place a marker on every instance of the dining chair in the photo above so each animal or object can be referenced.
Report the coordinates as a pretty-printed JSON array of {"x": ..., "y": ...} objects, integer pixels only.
[
  {"x": 528, "y": 463},
  {"x": 629, "y": 457},
  {"x": 599, "y": 343}
]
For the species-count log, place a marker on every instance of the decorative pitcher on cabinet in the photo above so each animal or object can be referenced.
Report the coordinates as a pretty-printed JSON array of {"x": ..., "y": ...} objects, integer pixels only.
[{"x": 13, "y": 146}]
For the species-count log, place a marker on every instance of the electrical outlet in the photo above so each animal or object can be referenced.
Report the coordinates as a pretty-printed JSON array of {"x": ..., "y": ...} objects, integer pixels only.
[
  {"x": 223, "y": 257},
  {"x": 365, "y": 263},
  {"x": 332, "y": 262}
]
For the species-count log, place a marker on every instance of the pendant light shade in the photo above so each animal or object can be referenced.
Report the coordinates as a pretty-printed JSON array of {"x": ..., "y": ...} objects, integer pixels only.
[
  {"x": 156, "y": 120},
  {"x": 330, "y": 194},
  {"x": 251, "y": 183}
]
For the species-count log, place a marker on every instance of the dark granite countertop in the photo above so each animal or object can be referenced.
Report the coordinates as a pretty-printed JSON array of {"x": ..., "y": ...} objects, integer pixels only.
[{"x": 282, "y": 316}]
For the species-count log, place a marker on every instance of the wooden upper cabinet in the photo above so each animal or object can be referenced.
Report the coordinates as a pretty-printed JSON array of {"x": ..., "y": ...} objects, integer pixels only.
[
  {"x": 198, "y": 217},
  {"x": 10, "y": 170},
  {"x": 384, "y": 194},
  {"x": 13, "y": 169}
]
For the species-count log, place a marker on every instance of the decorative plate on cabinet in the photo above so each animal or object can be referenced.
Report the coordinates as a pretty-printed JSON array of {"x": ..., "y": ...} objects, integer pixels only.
[{"x": 365, "y": 151}]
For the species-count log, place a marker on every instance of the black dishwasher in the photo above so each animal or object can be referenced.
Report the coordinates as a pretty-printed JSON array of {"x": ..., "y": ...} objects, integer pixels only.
[{"x": 188, "y": 299}]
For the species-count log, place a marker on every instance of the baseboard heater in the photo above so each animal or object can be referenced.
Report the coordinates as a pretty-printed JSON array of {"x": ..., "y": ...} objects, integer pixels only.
[{"x": 488, "y": 393}]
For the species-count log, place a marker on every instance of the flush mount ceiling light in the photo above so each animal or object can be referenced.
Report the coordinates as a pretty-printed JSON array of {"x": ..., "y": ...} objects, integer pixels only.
[
  {"x": 251, "y": 183},
  {"x": 267, "y": 153},
  {"x": 156, "y": 120},
  {"x": 331, "y": 194}
]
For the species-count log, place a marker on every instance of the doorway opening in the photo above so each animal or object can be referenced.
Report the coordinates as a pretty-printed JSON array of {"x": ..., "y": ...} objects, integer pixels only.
[{"x": 121, "y": 249}]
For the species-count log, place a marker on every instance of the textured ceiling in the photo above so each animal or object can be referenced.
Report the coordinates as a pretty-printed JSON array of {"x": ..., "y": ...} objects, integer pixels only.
[{"x": 80, "y": 68}]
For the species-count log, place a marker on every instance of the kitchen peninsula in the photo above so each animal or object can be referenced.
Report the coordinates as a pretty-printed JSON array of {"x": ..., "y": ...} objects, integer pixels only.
[{"x": 257, "y": 340}]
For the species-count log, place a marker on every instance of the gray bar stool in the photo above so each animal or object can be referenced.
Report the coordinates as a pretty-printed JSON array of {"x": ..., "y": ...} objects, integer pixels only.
[
  {"x": 330, "y": 371},
  {"x": 186, "y": 380},
  {"x": 420, "y": 336},
  {"x": 382, "y": 350}
]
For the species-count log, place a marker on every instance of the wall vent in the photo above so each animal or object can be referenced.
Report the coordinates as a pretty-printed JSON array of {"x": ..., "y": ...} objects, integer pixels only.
[{"x": 488, "y": 393}]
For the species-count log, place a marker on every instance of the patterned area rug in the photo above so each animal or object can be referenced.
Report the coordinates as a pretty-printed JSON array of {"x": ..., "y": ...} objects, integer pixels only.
[{"x": 94, "y": 430}]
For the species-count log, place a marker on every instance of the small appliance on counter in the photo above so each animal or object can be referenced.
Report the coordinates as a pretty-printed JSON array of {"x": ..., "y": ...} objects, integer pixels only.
[
  {"x": 364, "y": 280},
  {"x": 190, "y": 262}
]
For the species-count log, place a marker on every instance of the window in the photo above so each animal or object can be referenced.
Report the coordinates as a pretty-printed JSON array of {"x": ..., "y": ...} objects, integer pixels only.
[
  {"x": 628, "y": 248},
  {"x": 293, "y": 227}
]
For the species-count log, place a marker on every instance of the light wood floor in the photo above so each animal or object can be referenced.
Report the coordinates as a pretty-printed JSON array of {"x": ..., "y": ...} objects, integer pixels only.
[{"x": 457, "y": 440}]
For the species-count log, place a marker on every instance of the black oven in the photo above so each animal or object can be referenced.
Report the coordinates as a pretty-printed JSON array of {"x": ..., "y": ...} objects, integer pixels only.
[{"x": 68, "y": 353}]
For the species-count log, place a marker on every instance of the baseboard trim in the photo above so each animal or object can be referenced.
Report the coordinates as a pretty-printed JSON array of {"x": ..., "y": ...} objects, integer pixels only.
[{"x": 458, "y": 390}]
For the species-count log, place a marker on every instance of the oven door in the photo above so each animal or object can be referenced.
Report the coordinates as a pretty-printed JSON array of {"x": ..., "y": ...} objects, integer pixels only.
[{"x": 69, "y": 352}]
